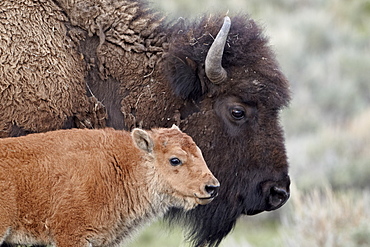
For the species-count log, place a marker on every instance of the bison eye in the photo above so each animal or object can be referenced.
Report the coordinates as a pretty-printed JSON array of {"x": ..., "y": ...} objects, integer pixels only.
[
  {"x": 175, "y": 162},
  {"x": 238, "y": 113}
]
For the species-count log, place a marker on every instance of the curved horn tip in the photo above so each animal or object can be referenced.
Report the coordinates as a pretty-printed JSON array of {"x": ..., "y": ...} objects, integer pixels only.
[
  {"x": 214, "y": 70},
  {"x": 227, "y": 20}
]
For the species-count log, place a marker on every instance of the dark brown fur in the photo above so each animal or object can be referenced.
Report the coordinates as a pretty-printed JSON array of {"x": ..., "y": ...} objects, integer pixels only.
[{"x": 149, "y": 71}]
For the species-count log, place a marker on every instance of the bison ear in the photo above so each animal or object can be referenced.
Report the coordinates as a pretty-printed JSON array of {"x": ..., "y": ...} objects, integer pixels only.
[
  {"x": 142, "y": 140},
  {"x": 183, "y": 74}
]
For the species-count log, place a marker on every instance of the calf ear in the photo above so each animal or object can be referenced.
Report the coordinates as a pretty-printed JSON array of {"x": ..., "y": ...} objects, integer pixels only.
[
  {"x": 174, "y": 126},
  {"x": 182, "y": 72},
  {"x": 142, "y": 140}
]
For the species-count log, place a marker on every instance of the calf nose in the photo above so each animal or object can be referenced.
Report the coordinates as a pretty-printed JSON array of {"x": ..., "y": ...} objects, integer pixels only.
[{"x": 212, "y": 190}]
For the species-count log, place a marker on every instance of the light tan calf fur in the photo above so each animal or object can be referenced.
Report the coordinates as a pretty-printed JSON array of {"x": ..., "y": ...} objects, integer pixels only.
[{"x": 95, "y": 187}]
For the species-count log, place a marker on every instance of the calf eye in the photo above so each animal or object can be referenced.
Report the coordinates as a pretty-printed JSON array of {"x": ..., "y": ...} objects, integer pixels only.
[
  {"x": 237, "y": 113},
  {"x": 175, "y": 162}
]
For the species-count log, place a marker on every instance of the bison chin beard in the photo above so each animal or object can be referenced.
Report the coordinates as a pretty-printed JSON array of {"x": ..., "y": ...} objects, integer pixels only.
[{"x": 212, "y": 232}]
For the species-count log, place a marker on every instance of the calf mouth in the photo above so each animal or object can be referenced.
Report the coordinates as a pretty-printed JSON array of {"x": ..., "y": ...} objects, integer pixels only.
[{"x": 205, "y": 200}]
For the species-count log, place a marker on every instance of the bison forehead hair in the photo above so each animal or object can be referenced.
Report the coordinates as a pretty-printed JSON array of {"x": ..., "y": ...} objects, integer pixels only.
[{"x": 247, "y": 57}]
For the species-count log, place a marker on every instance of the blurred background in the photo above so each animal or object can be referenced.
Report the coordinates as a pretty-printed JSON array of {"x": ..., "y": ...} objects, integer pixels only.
[{"x": 323, "y": 47}]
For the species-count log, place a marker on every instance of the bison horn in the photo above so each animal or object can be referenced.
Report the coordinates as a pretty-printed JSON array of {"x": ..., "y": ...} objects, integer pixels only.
[{"x": 214, "y": 70}]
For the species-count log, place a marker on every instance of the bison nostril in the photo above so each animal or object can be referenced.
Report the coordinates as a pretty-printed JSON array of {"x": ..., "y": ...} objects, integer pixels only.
[
  {"x": 278, "y": 196},
  {"x": 211, "y": 190}
]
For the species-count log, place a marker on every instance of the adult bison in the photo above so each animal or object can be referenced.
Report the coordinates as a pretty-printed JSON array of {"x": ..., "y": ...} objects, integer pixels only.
[{"x": 66, "y": 63}]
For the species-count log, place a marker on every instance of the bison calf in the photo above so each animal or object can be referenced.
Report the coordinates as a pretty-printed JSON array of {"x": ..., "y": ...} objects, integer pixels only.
[{"x": 95, "y": 187}]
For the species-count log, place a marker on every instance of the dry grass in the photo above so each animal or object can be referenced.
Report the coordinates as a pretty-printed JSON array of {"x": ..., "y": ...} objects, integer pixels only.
[{"x": 324, "y": 218}]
